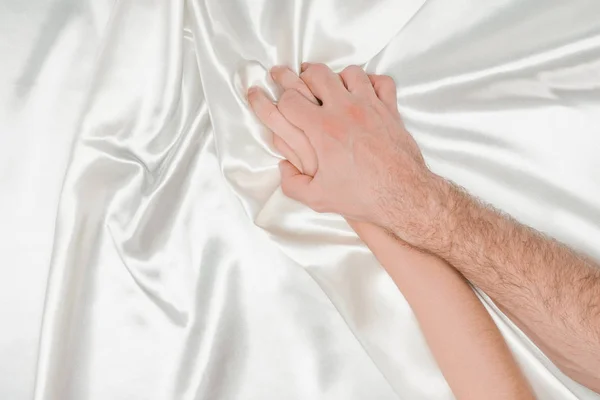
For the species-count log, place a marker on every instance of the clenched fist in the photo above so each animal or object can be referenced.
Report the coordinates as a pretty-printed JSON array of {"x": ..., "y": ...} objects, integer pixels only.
[{"x": 366, "y": 166}]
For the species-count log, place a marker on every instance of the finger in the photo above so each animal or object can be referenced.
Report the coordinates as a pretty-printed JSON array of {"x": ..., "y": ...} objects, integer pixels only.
[
  {"x": 300, "y": 112},
  {"x": 323, "y": 82},
  {"x": 286, "y": 151},
  {"x": 357, "y": 82},
  {"x": 307, "y": 163},
  {"x": 287, "y": 79},
  {"x": 270, "y": 115},
  {"x": 304, "y": 66},
  {"x": 294, "y": 184},
  {"x": 385, "y": 88}
]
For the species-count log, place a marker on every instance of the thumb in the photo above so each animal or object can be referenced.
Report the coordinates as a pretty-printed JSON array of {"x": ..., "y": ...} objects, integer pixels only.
[{"x": 294, "y": 184}]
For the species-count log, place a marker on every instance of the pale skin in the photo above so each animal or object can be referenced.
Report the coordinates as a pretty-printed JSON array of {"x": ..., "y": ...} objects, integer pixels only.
[
  {"x": 370, "y": 169},
  {"x": 466, "y": 344}
]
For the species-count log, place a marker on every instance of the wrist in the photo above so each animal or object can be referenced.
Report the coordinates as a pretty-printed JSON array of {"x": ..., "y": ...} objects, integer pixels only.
[
  {"x": 431, "y": 221},
  {"x": 459, "y": 222},
  {"x": 439, "y": 222}
]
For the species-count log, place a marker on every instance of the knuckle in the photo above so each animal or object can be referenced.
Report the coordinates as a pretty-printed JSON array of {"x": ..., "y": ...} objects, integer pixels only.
[
  {"x": 288, "y": 98},
  {"x": 387, "y": 80},
  {"x": 319, "y": 67},
  {"x": 352, "y": 69},
  {"x": 387, "y": 83},
  {"x": 314, "y": 69},
  {"x": 354, "y": 74}
]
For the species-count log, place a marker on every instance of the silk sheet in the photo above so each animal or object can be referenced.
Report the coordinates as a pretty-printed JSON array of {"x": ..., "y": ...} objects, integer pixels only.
[{"x": 146, "y": 250}]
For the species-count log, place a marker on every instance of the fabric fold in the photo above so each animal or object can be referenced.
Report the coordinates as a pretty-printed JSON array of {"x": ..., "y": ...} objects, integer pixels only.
[{"x": 148, "y": 250}]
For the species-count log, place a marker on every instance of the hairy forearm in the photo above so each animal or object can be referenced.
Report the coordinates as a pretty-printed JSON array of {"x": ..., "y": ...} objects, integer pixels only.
[
  {"x": 463, "y": 338},
  {"x": 550, "y": 291}
]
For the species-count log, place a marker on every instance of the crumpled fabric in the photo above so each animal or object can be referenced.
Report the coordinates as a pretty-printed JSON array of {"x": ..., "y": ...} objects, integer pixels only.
[{"x": 146, "y": 249}]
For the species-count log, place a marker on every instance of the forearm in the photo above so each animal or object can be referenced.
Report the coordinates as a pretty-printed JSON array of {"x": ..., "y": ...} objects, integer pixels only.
[
  {"x": 551, "y": 292},
  {"x": 462, "y": 337}
]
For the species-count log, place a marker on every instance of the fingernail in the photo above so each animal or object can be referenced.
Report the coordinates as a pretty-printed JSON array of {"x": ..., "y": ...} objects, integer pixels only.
[{"x": 252, "y": 89}]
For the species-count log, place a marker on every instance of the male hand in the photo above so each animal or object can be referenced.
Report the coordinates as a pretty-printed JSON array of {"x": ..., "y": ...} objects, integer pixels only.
[
  {"x": 368, "y": 167},
  {"x": 365, "y": 165}
]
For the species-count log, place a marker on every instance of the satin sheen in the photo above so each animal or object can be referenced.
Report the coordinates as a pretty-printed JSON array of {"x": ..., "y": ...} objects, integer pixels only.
[{"x": 146, "y": 249}]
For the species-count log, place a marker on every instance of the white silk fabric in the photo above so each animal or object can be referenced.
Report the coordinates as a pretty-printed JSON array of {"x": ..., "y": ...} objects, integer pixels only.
[{"x": 146, "y": 249}]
